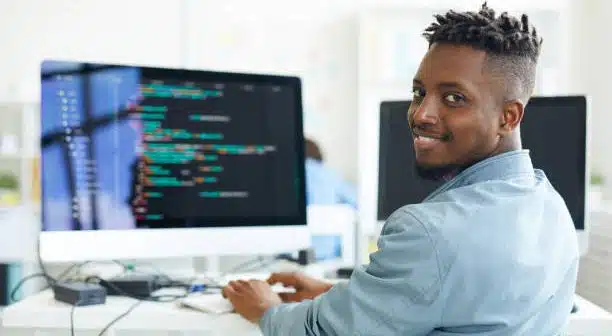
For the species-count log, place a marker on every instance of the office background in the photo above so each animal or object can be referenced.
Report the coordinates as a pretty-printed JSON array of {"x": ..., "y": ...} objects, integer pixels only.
[{"x": 350, "y": 54}]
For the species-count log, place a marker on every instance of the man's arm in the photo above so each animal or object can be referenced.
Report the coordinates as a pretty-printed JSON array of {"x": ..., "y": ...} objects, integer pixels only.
[{"x": 399, "y": 292}]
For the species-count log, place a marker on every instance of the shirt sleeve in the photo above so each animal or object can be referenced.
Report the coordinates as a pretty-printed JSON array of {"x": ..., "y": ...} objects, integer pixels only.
[{"x": 399, "y": 292}]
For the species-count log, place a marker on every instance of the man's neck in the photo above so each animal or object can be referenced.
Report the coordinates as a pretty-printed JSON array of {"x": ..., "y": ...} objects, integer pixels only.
[{"x": 507, "y": 144}]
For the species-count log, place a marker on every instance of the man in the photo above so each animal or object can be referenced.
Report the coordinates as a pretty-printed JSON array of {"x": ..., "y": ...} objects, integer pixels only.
[{"x": 491, "y": 252}]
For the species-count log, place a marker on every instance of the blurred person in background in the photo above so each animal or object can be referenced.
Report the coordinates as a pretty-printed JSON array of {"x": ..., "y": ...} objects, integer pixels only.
[{"x": 323, "y": 184}]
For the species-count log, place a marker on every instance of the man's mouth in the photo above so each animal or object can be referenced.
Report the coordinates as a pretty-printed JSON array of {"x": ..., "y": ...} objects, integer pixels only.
[
  {"x": 430, "y": 137},
  {"x": 427, "y": 141}
]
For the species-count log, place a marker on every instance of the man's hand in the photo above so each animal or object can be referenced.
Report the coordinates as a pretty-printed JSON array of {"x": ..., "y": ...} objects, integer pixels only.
[
  {"x": 251, "y": 298},
  {"x": 306, "y": 288}
]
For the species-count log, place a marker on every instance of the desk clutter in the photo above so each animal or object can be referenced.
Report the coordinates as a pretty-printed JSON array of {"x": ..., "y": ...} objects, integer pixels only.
[
  {"x": 124, "y": 289},
  {"x": 41, "y": 314}
]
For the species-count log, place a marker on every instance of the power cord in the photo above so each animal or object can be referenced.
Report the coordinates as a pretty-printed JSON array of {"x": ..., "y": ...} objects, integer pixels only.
[
  {"x": 109, "y": 284},
  {"x": 72, "y": 309},
  {"x": 126, "y": 268},
  {"x": 107, "y": 326},
  {"x": 165, "y": 298},
  {"x": 116, "y": 319},
  {"x": 50, "y": 282}
]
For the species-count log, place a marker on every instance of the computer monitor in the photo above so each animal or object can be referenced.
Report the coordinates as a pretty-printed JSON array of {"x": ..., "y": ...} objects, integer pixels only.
[
  {"x": 554, "y": 129},
  {"x": 144, "y": 162}
]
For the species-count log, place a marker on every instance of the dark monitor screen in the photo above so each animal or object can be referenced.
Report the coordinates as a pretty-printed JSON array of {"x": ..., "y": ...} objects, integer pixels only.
[
  {"x": 398, "y": 182},
  {"x": 128, "y": 147},
  {"x": 554, "y": 129}
]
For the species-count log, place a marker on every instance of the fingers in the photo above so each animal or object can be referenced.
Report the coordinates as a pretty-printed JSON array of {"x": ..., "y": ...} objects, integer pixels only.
[
  {"x": 285, "y": 278},
  {"x": 228, "y": 291},
  {"x": 234, "y": 288}
]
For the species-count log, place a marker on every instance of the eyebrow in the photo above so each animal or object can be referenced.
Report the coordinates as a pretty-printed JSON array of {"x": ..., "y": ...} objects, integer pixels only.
[{"x": 457, "y": 85}]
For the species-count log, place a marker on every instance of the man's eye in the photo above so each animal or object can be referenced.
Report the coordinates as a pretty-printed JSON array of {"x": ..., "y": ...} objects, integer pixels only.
[
  {"x": 453, "y": 98},
  {"x": 417, "y": 93}
]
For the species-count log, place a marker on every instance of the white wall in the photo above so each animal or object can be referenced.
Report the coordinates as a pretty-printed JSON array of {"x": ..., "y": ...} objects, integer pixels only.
[
  {"x": 591, "y": 70},
  {"x": 137, "y": 31}
]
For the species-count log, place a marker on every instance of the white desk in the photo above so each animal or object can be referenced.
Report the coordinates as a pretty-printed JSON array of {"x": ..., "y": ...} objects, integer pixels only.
[
  {"x": 589, "y": 320},
  {"x": 42, "y": 315}
]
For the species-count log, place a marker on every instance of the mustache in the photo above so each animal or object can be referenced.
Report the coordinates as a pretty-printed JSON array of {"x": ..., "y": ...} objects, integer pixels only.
[{"x": 416, "y": 130}]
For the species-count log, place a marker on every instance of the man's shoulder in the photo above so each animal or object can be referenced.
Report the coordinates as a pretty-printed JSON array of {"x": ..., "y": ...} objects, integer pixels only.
[
  {"x": 450, "y": 210},
  {"x": 424, "y": 218},
  {"x": 495, "y": 193}
]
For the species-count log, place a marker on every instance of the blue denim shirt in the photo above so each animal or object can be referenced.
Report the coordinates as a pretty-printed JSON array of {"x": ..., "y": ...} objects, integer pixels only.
[{"x": 491, "y": 252}]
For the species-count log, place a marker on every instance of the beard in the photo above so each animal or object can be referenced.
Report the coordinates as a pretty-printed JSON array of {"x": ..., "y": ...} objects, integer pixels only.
[{"x": 439, "y": 173}]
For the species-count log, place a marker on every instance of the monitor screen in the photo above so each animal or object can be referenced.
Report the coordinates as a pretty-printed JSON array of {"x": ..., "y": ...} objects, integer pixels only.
[
  {"x": 553, "y": 129},
  {"x": 127, "y": 147},
  {"x": 398, "y": 182}
]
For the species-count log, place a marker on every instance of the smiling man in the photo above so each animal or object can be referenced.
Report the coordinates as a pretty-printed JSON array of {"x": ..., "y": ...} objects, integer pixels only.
[{"x": 491, "y": 252}]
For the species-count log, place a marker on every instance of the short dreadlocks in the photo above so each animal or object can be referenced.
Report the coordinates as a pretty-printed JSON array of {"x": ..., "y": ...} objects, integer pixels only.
[{"x": 512, "y": 45}]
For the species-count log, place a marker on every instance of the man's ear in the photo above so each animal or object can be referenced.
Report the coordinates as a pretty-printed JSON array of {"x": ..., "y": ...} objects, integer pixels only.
[{"x": 511, "y": 116}]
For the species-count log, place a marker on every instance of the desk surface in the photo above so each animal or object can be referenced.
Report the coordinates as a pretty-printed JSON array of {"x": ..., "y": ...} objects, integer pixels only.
[
  {"x": 42, "y": 312},
  {"x": 41, "y": 315}
]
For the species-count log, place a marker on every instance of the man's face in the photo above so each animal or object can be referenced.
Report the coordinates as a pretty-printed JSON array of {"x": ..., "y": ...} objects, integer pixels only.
[{"x": 454, "y": 115}]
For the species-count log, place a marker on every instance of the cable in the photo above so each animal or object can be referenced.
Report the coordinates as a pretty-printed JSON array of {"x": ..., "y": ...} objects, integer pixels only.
[
  {"x": 110, "y": 324},
  {"x": 72, "y": 309},
  {"x": 50, "y": 281},
  {"x": 41, "y": 264},
  {"x": 21, "y": 283},
  {"x": 42, "y": 274},
  {"x": 61, "y": 276},
  {"x": 166, "y": 298},
  {"x": 138, "y": 302},
  {"x": 124, "y": 293}
]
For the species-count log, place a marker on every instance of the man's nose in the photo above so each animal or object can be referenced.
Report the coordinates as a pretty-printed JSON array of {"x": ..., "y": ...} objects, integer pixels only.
[{"x": 425, "y": 113}]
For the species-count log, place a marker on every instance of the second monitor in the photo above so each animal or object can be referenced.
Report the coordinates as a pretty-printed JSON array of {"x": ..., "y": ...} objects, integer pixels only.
[{"x": 554, "y": 129}]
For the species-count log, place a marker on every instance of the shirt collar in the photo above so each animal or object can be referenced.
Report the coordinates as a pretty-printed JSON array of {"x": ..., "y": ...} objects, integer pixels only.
[{"x": 517, "y": 162}]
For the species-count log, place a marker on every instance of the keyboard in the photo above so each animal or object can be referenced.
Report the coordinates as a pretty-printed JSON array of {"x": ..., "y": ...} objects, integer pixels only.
[
  {"x": 208, "y": 303},
  {"x": 216, "y": 303}
]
